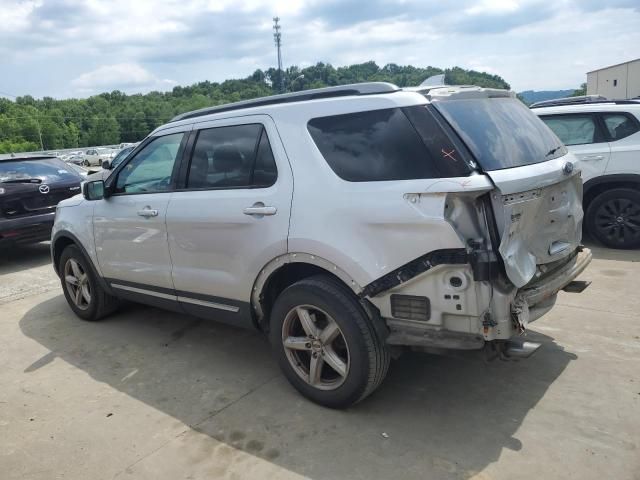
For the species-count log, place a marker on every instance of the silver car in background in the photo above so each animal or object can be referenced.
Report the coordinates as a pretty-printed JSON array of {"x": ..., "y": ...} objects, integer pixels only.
[{"x": 432, "y": 218}]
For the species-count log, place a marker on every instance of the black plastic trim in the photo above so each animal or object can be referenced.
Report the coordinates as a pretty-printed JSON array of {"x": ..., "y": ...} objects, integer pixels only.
[
  {"x": 452, "y": 256},
  {"x": 240, "y": 318}
]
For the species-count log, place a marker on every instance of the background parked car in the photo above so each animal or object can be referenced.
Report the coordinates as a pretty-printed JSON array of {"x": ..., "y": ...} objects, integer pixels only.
[
  {"x": 30, "y": 189},
  {"x": 95, "y": 156},
  {"x": 84, "y": 172},
  {"x": 605, "y": 136},
  {"x": 109, "y": 165},
  {"x": 75, "y": 159}
]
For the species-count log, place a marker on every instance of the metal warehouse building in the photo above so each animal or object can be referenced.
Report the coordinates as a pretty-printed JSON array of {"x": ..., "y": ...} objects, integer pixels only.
[{"x": 621, "y": 81}]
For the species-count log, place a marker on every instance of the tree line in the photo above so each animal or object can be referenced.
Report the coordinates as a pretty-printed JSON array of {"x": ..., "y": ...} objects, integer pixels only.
[{"x": 29, "y": 124}]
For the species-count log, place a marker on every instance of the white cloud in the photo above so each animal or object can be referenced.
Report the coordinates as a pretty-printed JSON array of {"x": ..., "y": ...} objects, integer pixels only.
[
  {"x": 493, "y": 6},
  {"x": 87, "y": 46},
  {"x": 15, "y": 14},
  {"x": 121, "y": 75}
]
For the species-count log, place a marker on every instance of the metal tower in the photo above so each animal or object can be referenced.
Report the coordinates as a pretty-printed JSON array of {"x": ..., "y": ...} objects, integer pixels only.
[{"x": 277, "y": 36}]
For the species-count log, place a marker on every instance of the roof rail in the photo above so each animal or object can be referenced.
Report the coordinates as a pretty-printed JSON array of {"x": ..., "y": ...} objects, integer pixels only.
[
  {"x": 569, "y": 101},
  {"x": 581, "y": 100},
  {"x": 365, "y": 88}
]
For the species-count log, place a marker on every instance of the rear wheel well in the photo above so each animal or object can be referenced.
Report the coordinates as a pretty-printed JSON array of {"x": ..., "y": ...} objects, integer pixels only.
[
  {"x": 599, "y": 188},
  {"x": 282, "y": 278},
  {"x": 58, "y": 247}
]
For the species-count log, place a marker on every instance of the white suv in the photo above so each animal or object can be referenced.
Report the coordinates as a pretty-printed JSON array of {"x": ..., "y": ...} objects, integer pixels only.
[
  {"x": 342, "y": 222},
  {"x": 605, "y": 137}
]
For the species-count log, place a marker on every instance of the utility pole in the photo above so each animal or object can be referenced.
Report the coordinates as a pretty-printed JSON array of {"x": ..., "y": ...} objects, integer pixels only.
[
  {"x": 40, "y": 135},
  {"x": 277, "y": 36}
]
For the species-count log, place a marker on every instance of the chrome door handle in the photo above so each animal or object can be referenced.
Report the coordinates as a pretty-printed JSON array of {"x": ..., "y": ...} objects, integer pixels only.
[
  {"x": 260, "y": 210},
  {"x": 592, "y": 157},
  {"x": 148, "y": 212}
]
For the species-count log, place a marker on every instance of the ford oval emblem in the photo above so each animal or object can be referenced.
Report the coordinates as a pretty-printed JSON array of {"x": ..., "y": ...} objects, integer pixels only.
[
  {"x": 567, "y": 168},
  {"x": 44, "y": 188}
]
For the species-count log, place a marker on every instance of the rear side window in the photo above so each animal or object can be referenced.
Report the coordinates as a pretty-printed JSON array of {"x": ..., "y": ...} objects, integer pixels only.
[
  {"x": 573, "y": 129},
  {"x": 373, "y": 146},
  {"x": 619, "y": 125},
  {"x": 232, "y": 157}
]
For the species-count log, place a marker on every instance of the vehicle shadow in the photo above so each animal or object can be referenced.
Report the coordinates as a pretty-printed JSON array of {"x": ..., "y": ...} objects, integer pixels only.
[
  {"x": 435, "y": 416},
  {"x": 17, "y": 258}
]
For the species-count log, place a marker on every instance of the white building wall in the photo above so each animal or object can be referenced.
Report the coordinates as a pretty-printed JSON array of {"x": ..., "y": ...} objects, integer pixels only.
[
  {"x": 616, "y": 82},
  {"x": 633, "y": 83}
]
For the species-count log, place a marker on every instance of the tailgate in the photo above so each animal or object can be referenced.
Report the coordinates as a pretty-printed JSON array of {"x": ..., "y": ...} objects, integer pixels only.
[{"x": 539, "y": 215}]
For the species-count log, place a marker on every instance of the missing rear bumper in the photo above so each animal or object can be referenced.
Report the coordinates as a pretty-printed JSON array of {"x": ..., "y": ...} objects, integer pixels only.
[{"x": 559, "y": 280}]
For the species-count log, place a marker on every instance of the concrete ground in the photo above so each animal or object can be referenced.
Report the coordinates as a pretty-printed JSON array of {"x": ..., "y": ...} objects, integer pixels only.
[{"x": 151, "y": 394}]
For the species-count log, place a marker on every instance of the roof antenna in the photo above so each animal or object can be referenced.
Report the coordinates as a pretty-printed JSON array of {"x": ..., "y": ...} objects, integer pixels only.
[{"x": 434, "y": 81}]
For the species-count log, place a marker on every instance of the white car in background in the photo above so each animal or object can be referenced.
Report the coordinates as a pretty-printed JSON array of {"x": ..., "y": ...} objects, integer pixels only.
[
  {"x": 605, "y": 136},
  {"x": 95, "y": 156}
]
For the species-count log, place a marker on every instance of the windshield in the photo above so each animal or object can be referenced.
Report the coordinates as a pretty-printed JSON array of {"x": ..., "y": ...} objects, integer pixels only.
[
  {"x": 501, "y": 132},
  {"x": 46, "y": 170}
]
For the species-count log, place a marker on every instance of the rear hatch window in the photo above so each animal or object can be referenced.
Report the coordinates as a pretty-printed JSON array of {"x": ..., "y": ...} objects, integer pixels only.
[
  {"x": 45, "y": 170},
  {"x": 501, "y": 132}
]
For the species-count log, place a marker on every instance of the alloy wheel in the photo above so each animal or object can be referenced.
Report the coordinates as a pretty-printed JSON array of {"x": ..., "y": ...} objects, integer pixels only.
[
  {"x": 315, "y": 347},
  {"x": 618, "y": 220},
  {"x": 77, "y": 283}
]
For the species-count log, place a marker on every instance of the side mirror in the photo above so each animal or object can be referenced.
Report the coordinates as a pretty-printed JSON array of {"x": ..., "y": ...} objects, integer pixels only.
[
  {"x": 93, "y": 190},
  {"x": 106, "y": 164}
]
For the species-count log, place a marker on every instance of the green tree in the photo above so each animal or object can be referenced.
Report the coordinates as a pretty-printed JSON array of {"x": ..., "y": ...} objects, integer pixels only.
[
  {"x": 580, "y": 91},
  {"x": 112, "y": 117},
  {"x": 71, "y": 135}
]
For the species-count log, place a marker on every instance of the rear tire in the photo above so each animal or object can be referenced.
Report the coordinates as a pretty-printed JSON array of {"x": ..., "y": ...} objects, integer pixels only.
[
  {"x": 81, "y": 287},
  {"x": 613, "y": 218},
  {"x": 350, "y": 358}
]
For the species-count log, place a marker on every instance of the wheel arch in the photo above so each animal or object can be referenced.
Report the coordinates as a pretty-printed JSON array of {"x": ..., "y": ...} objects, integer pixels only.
[
  {"x": 62, "y": 240},
  {"x": 285, "y": 270},
  {"x": 592, "y": 188}
]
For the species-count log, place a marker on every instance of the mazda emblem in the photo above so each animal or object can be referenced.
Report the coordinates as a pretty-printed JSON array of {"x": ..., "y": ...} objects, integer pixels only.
[
  {"x": 44, "y": 188},
  {"x": 567, "y": 168}
]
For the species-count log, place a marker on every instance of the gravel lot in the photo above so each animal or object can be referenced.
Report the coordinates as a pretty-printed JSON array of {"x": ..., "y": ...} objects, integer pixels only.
[{"x": 151, "y": 394}]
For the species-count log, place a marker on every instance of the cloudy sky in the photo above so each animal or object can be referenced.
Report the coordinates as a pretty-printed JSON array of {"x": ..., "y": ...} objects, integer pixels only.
[{"x": 64, "y": 48}]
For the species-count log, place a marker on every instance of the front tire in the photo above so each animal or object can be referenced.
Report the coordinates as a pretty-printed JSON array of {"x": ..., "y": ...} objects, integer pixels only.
[
  {"x": 613, "y": 218},
  {"x": 326, "y": 344},
  {"x": 81, "y": 287}
]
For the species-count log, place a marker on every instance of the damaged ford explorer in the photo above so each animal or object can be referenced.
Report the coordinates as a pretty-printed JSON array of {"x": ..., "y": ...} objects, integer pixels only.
[{"x": 343, "y": 222}]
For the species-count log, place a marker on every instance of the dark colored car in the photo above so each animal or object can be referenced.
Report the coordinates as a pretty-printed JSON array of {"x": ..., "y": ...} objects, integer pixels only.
[{"x": 30, "y": 189}]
